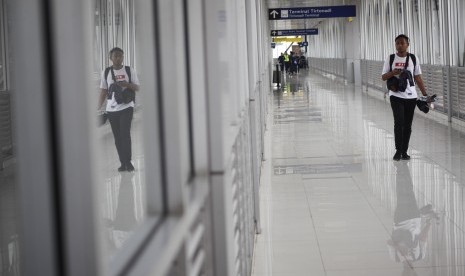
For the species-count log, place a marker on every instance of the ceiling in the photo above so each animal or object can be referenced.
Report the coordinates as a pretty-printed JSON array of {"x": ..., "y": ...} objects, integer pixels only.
[{"x": 299, "y": 23}]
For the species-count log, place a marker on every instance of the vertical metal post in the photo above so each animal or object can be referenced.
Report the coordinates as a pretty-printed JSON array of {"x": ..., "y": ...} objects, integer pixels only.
[
  {"x": 366, "y": 73},
  {"x": 446, "y": 27},
  {"x": 74, "y": 144},
  {"x": 306, "y": 46},
  {"x": 278, "y": 75},
  {"x": 253, "y": 105},
  {"x": 37, "y": 182}
]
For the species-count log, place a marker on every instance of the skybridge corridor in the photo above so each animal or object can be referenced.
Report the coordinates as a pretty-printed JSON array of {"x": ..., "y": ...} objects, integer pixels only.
[
  {"x": 333, "y": 193},
  {"x": 232, "y": 138}
]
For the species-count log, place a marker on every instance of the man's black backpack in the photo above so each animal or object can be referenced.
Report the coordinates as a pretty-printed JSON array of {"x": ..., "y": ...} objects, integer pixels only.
[
  {"x": 405, "y": 77},
  {"x": 122, "y": 95}
]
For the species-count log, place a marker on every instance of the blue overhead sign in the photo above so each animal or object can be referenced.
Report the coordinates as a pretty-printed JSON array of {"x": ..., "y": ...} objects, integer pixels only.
[
  {"x": 315, "y": 12},
  {"x": 294, "y": 32}
]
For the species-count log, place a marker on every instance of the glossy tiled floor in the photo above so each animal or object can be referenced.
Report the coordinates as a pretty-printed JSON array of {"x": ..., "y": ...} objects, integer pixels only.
[
  {"x": 122, "y": 194},
  {"x": 9, "y": 242},
  {"x": 336, "y": 204}
]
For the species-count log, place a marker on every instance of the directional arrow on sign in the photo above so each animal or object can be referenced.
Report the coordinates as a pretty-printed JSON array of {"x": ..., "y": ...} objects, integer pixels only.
[
  {"x": 274, "y": 13},
  {"x": 273, "y": 33}
]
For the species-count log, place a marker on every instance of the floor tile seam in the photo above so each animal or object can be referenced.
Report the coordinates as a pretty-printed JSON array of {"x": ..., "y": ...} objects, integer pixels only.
[
  {"x": 357, "y": 252},
  {"x": 268, "y": 242},
  {"x": 362, "y": 269},
  {"x": 456, "y": 225},
  {"x": 316, "y": 235},
  {"x": 380, "y": 220},
  {"x": 265, "y": 202},
  {"x": 430, "y": 266}
]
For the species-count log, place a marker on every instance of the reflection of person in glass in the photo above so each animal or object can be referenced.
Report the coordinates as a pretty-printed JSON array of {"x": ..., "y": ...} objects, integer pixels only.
[
  {"x": 119, "y": 114},
  {"x": 411, "y": 224},
  {"x": 124, "y": 220}
]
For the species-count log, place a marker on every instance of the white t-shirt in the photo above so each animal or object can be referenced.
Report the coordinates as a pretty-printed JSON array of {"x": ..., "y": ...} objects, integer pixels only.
[
  {"x": 120, "y": 75},
  {"x": 399, "y": 63},
  {"x": 416, "y": 253}
]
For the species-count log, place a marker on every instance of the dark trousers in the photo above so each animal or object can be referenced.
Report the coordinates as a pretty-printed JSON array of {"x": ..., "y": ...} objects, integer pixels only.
[
  {"x": 403, "y": 110},
  {"x": 407, "y": 207},
  {"x": 120, "y": 122}
]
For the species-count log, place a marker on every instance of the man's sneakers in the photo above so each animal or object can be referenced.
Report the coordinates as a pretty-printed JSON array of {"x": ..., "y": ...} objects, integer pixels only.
[
  {"x": 129, "y": 167},
  {"x": 401, "y": 155},
  {"x": 126, "y": 167},
  {"x": 405, "y": 156}
]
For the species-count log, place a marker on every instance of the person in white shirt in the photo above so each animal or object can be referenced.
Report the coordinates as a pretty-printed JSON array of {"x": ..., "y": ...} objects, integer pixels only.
[
  {"x": 119, "y": 114},
  {"x": 403, "y": 103}
]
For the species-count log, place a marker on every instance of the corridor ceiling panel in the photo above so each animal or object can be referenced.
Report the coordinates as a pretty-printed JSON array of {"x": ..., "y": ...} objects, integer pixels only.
[{"x": 298, "y": 23}]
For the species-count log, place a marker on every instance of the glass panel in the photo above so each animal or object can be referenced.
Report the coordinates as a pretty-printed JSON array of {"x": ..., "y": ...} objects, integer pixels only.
[
  {"x": 119, "y": 41},
  {"x": 9, "y": 245}
]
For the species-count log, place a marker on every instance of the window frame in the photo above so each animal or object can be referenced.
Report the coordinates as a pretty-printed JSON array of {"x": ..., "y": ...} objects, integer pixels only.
[{"x": 4, "y": 46}]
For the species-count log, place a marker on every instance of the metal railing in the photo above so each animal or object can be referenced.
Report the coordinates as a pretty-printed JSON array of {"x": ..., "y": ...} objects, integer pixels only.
[
  {"x": 335, "y": 66},
  {"x": 448, "y": 83}
]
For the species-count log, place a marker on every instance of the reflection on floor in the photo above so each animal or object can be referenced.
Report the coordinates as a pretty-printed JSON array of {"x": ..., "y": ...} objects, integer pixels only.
[
  {"x": 9, "y": 244},
  {"x": 122, "y": 195},
  {"x": 338, "y": 205}
]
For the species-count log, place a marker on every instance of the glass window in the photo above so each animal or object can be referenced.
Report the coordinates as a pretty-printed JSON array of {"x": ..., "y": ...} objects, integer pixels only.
[
  {"x": 124, "y": 53},
  {"x": 9, "y": 244}
]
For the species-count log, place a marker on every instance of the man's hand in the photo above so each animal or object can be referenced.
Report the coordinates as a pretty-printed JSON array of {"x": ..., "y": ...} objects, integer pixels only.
[
  {"x": 428, "y": 99},
  {"x": 431, "y": 98},
  {"x": 124, "y": 84},
  {"x": 396, "y": 71}
]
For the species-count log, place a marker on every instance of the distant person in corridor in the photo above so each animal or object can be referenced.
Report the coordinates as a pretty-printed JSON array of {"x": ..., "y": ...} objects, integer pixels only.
[
  {"x": 402, "y": 103},
  {"x": 287, "y": 62},
  {"x": 281, "y": 61}
]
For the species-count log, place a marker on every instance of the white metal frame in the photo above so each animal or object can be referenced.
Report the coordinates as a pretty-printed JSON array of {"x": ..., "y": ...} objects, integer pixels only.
[
  {"x": 3, "y": 47},
  {"x": 36, "y": 181}
]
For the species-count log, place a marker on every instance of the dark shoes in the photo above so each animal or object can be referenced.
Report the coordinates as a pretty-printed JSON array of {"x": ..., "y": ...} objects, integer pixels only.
[
  {"x": 126, "y": 167},
  {"x": 399, "y": 155},
  {"x": 129, "y": 167},
  {"x": 427, "y": 209},
  {"x": 405, "y": 156}
]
